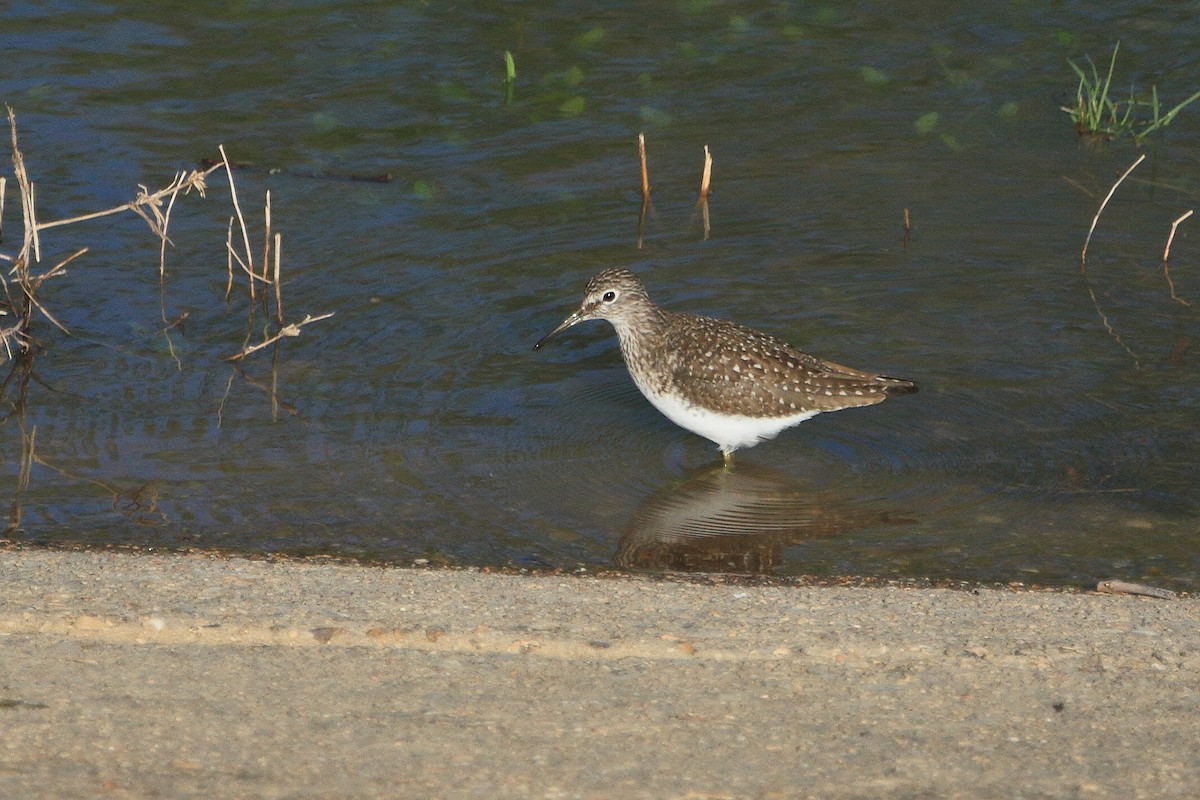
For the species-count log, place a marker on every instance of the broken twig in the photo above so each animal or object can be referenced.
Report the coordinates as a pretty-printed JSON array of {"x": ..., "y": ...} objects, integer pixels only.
[
  {"x": 1125, "y": 587},
  {"x": 1167, "y": 254},
  {"x": 288, "y": 330}
]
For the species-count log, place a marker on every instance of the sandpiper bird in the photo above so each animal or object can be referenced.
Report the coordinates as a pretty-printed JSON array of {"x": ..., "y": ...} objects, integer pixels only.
[{"x": 724, "y": 381}]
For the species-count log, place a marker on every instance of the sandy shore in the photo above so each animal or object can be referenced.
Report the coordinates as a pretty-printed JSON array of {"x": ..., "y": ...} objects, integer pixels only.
[{"x": 195, "y": 676}]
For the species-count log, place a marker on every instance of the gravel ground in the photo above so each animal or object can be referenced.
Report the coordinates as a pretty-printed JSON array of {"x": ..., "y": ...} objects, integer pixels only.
[{"x": 176, "y": 676}]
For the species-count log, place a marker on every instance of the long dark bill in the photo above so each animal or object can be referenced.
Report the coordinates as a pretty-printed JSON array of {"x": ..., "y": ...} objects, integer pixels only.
[{"x": 566, "y": 323}]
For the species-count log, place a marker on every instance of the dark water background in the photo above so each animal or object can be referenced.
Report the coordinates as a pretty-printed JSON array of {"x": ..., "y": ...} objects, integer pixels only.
[{"x": 417, "y": 423}]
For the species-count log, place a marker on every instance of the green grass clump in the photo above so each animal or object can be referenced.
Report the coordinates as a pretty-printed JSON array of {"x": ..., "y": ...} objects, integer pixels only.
[{"x": 1096, "y": 113}]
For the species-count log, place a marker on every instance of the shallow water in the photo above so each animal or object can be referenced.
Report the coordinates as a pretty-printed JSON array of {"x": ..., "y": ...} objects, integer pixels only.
[{"x": 417, "y": 423}]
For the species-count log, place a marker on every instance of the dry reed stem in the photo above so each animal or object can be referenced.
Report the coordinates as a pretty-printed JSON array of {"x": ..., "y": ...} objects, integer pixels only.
[
  {"x": 641, "y": 226},
  {"x": 1099, "y": 211},
  {"x": 148, "y": 206},
  {"x": 266, "y": 235},
  {"x": 1174, "y": 226},
  {"x": 35, "y": 283},
  {"x": 645, "y": 170},
  {"x": 3, "y": 187},
  {"x": 37, "y": 240},
  {"x": 1167, "y": 254},
  {"x": 156, "y": 219},
  {"x": 1137, "y": 361},
  {"x": 163, "y": 240},
  {"x": 25, "y": 190},
  {"x": 248, "y": 264},
  {"x": 292, "y": 329},
  {"x": 705, "y": 190},
  {"x": 28, "y": 216},
  {"x": 30, "y": 286},
  {"x": 278, "y": 285},
  {"x": 229, "y": 259},
  {"x": 236, "y": 257}
]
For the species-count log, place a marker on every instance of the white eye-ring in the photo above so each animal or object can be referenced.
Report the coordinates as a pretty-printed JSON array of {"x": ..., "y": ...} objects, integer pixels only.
[{"x": 609, "y": 296}]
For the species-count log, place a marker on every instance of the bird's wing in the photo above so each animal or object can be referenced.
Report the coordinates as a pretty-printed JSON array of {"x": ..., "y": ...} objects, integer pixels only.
[{"x": 757, "y": 374}]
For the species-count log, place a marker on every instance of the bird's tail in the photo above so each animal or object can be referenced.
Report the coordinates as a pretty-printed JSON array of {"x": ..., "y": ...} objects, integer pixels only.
[{"x": 897, "y": 385}]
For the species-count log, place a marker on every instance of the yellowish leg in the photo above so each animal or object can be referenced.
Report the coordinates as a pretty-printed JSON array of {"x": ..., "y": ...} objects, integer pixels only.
[{"x": 728, "y": 454}]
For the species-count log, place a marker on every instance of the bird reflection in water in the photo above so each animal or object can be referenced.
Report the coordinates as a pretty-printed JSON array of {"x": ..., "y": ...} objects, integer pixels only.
[{"x": 737, "y": 521}]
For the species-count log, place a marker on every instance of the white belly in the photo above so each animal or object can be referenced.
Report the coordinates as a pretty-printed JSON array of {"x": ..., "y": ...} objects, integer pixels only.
[{"x": 729, "y": 431}]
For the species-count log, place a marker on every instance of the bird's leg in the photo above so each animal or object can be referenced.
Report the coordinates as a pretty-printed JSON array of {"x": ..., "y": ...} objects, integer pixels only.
[{"x": 728, "y": 455}]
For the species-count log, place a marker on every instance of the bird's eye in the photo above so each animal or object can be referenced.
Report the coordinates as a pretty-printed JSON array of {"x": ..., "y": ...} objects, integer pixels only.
[{"x": 609, "y": 296}]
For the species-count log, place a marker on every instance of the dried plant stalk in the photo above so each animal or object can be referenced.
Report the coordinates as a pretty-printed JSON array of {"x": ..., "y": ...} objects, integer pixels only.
[
  {"x": 155, "y": 208},
  {"x": 248, "y": 264},
  {"x": 229, "y": 259},
  {"x": 645, "y": 170},
  {"x": 266, "y": 234},
  {"x": 1137, "y": 361},
  {"x": 278, "y": 285},
  {"x": 1167, "y": 255},
  {"x": 1171, "y": 237},
  {"x": 1099, "y": 211},
  {"x": 288, "y": 330}
]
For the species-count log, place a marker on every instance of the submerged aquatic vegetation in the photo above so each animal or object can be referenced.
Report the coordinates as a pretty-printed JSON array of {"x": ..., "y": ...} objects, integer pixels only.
[{"x": 1096, "y": 113}]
